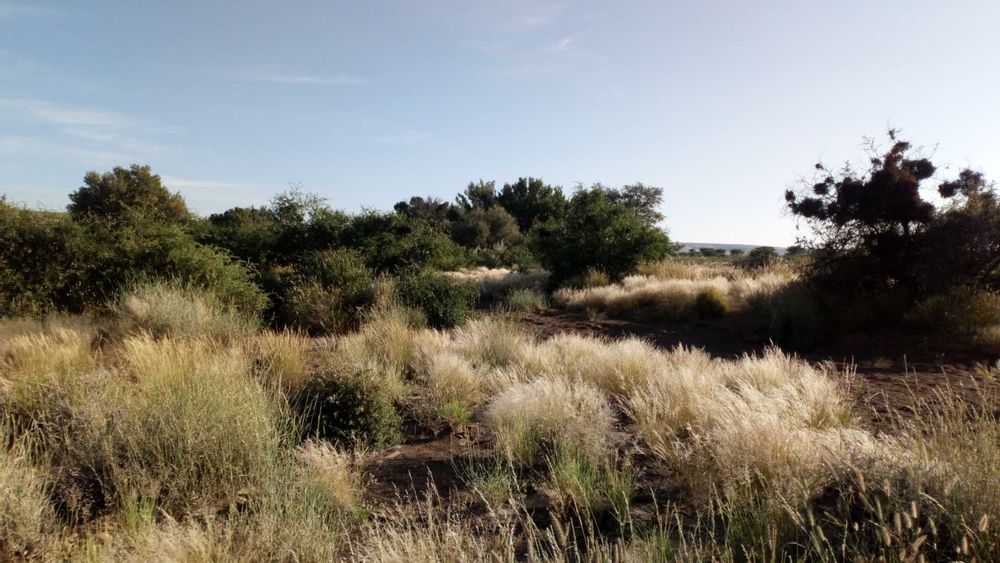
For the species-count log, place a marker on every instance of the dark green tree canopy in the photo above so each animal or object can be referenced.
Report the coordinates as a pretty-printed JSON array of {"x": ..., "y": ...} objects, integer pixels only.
[
  {"x": 598, "y": 232},
  {"x": 643, "y": 200},
  {"x": 530, "y": 200},
  {"x": 129, "y": 195},
  {"x": 847, "y": 208},
  {"x": 875, "y": 231}
]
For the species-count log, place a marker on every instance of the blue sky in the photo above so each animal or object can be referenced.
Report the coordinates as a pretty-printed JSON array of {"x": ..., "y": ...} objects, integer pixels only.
[{"x": 723, "y": 104}]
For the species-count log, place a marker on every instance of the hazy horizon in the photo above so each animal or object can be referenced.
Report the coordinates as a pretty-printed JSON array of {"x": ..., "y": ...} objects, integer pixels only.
[{"x": 723, "y": 104}]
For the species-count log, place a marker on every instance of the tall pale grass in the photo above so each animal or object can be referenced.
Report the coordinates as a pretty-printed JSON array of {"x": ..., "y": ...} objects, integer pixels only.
[
  {"x": 670, "y": 290},
  {"x": 768, "y": 416},
  {"x": 165, "y": 308},
  {"x": 193, "y": 426},
  {"x": 549, "y": 416},
  {"x": 27, "y": 519},
  {"x": 279, "y": 358},
  {"x": 45, "y": 348},
  {"x": 498, "y": 282}
]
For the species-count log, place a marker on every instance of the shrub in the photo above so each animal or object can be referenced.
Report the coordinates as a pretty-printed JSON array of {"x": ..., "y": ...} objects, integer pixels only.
[
  {"x": 599, "y": 231},
  {"x": 445, "y": 302},
  {"x": 963, "y": 310},
  {"x": 789, "y": 315},
  {"x": 172, "y": 309},
  {"x": 349, "y": 408},
  {"x": 329, "y": 292},
  {"x": 711, "y": 303},
  {"x": 525, "y": 299},
  {"x": 228, "y": 281}
]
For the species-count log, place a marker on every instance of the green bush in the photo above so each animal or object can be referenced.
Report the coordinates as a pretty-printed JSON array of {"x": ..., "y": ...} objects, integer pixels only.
[
  {"x": 329, "y": 292},
  {"x": 962, "y": 310},
  {"x": 229, "y": 281},
  {"x": 711, "y": 303},
  {"x": 445, "y": 302},
  {"x": 349, "y": 408},
  {"x": 758, "y": 258},
  {"x": 598, "y": 231},
  {"x": 524, "y": 299},
  {"x": 790, "y": 317}
]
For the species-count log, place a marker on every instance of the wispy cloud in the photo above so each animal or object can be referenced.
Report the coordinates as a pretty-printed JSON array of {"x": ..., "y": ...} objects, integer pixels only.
[
  {"x": 86, "y": 131},
  {"x": 561, "y": 46},
  {"x": 67, "y": 115},
  {"x": 335, "y": 79},
  {"x": 190, "y": 184},
  {"x": 401, "y": 138},
  {"x": 539, "y": 15},
  {"x": 14, "y": 10}
]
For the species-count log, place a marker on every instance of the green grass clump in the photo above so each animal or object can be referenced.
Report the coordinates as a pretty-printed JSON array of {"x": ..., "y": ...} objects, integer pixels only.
[
  {"x": 525, "y": 299},
  {"x": 711, "y": 303}
]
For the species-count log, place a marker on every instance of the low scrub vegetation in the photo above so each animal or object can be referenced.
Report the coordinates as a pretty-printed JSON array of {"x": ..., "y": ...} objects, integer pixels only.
[
  {"x": 182, "y": 444},
  {"x": 248, "y": 386}
]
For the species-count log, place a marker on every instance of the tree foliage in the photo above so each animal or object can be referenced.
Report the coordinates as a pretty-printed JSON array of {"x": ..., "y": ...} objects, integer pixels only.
[
  {"x": 874, "y": 231},
  {"x": 598, "y": 232},
  {"x": 127, "y": 195}
]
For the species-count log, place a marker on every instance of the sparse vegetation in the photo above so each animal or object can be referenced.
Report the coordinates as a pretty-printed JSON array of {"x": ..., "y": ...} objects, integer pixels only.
[{"x": 255, "y": 385}]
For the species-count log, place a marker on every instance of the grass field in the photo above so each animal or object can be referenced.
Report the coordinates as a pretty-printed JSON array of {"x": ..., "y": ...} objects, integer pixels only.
[{"x": 188, "y": 437}]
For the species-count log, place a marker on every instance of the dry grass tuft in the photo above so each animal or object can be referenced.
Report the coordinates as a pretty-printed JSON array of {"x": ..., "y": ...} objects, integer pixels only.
[
  {"x": 671, "y": 289},
  {"x": 280, "y": 359},
  {"x": 27, "y": 520},
  {"x": 532, "y": 420},
  {"x": 55, "y": 346},
  {"x": 331, "y": 474},
  {"x": 171, "y": 309},
  {"x": 498, "y": 282}
]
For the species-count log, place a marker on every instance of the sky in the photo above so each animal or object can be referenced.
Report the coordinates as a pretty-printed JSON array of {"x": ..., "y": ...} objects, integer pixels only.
[{"x": 722, "y": 104}]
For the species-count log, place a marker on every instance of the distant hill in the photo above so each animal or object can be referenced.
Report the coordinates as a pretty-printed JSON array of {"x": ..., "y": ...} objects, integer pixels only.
[{"x": 727, "y": 247}]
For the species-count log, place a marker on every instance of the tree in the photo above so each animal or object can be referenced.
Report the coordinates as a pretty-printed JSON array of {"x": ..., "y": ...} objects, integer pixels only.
[
  {"x": 599, "y": 233},
  {"x": 962, "y": 245},
  {"x": 532, "y": 201},
  {"x": 480, "y": 194},
  {"x": 874, "y": 232},
  {"x": 429, "y": 209},
  {"x": 760, "y": 257},
  {"x": 643, "y": 200},
  {"x": 127, "y": 195},
  {"x": 481, "y": 228},
  {"x": 795, "y": 250},
  {"x": 864, "y": 224}
]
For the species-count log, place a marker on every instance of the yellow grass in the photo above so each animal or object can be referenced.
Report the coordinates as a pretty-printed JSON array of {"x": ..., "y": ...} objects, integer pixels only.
[
  {"x": 670, "y": 289},
  {"x": 545, "y": 416},
  {"x": 497, "y": 282}
]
